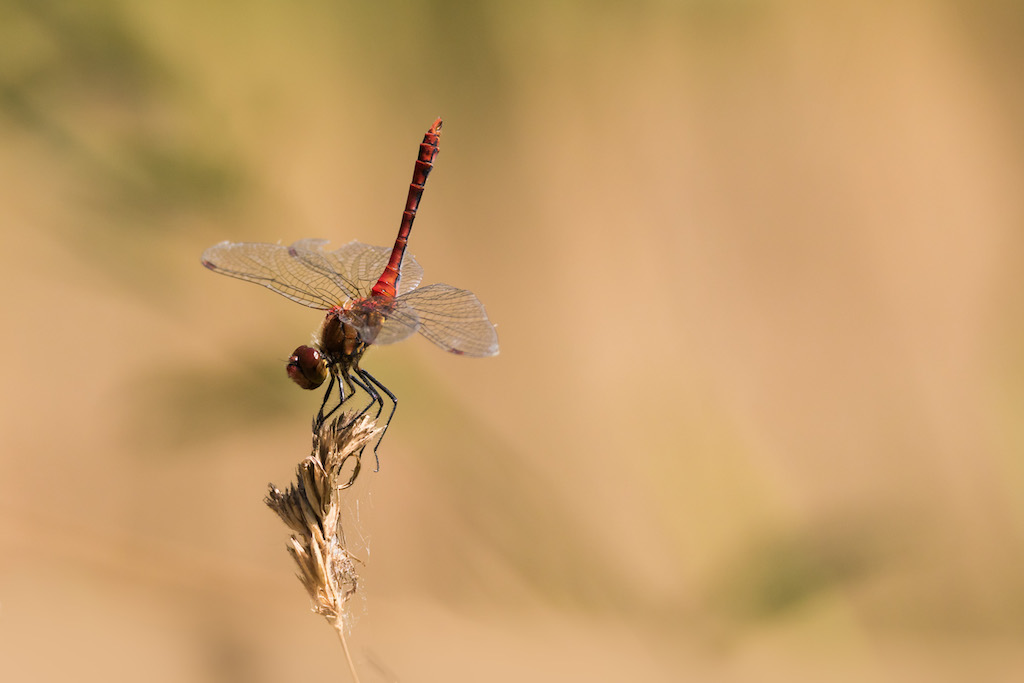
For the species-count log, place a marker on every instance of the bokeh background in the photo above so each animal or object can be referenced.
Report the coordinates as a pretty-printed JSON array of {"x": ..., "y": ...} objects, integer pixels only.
[{"x": 756, "y": 269}]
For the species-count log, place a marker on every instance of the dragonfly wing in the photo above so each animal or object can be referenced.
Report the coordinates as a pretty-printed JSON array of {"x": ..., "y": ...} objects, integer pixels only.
[
  {"x": 275, "y": 267},
  {"x": 399, "y": 324},
  {"x": 452, "y": 318},
  {"x": 312, "y": 254},
  {"x": 411, "y": 275},
  {"x": 364, "y": 264}
]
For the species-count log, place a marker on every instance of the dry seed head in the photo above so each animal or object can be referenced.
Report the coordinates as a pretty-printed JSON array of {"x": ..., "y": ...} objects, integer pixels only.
[{"x": 311, "y": 507}]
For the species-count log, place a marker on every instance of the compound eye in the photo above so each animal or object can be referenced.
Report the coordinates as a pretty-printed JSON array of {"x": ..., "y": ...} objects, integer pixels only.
[{"x": 307, "y": 367}]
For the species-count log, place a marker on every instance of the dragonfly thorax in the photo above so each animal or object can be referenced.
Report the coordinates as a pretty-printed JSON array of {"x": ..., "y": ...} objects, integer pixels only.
[
  {"x": 338, "y": 338},
  {"x": 348, "y": 330}
]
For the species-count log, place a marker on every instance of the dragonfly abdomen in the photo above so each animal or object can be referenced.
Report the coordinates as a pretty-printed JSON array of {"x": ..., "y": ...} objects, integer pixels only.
[{"x": 387, "y": 285}]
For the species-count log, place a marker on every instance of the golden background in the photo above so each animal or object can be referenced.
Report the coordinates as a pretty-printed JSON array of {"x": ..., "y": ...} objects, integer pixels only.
[{"x": 756, "y": 270}]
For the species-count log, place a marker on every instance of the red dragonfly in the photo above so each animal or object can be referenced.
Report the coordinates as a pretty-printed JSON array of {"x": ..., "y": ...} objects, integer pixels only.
[{"x": 371, "y": 295}]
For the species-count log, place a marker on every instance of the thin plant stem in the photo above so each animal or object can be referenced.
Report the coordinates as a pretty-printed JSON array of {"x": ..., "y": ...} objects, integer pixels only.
[{"x": 339, "y": 626}]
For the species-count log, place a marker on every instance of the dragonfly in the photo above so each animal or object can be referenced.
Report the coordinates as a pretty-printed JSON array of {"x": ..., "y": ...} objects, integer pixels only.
[{"x": 371, "y": 295}]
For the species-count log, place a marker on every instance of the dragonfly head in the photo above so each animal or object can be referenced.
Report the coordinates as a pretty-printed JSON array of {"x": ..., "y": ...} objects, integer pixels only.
[{"x": 307, "y": 367}]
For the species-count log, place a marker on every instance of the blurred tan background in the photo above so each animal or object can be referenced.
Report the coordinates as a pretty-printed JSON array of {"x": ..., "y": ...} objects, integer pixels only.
[{"x": 759, "y": 409}]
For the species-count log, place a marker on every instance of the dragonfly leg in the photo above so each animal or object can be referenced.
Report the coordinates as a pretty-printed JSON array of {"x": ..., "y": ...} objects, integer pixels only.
[
  {"x": 375, "y": 399},
  {"x": 345, "y": 383},
  {"x": 356, "y": 381},
  {"x": 320, "y": 417},
  {"x": 373, "y": 381}
]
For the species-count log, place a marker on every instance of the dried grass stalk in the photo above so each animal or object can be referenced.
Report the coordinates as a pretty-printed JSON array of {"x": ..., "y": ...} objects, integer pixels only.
[{"x": 311, "y": 507}]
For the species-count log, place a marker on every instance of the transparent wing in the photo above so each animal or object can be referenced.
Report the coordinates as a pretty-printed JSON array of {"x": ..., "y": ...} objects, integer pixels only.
[
  {"x": 280, "y": 269},
  {"x": 310, "y": 252},
  {"x": 452, "y": 318},
  {"x": 400, "y": 322},
  {"x": 363, "y": 265}
]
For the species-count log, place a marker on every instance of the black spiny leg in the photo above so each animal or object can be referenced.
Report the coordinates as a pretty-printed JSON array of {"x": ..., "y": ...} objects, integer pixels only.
[
  {"x": 375, "y": 399},
  {"x": 371, "y": 380},
  {"x": 320, "y": 417}
]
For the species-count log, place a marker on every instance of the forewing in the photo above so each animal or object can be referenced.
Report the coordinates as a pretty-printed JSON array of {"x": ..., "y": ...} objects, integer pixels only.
[
  {"x": 452, "y": 318},
  {"x": 363, "y": 265},
  {"x": 311, "y": 253},
  {"x": 275, "y": 267}
]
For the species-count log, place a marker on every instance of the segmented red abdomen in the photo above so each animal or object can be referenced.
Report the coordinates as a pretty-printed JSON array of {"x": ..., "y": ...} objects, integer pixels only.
[{"x": 388, "y": 283}]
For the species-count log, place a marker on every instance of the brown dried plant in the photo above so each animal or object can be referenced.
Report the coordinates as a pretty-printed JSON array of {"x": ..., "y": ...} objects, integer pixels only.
[{"x": 311, "y": 507}]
